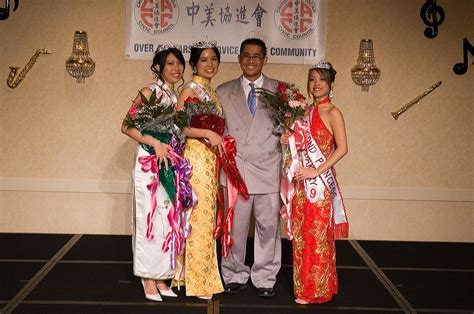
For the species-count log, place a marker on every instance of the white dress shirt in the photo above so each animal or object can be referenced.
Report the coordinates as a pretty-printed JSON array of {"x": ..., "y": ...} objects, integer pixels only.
[{"x": 245, "y": 85}]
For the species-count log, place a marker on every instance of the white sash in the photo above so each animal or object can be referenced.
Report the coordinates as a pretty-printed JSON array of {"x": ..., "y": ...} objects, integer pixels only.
[
  {"x": 199, "y": 90},
  {"x": 312, "y": 157}
]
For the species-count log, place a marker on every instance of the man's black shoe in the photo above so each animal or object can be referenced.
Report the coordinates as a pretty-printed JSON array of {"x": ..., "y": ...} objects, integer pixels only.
[
  {"x": 234, "y": 287},
  {"x": 265, "y": 292}
]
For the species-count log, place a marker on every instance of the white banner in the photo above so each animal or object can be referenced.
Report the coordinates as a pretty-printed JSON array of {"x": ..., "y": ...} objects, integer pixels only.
[{"x": 294, "y": 30}]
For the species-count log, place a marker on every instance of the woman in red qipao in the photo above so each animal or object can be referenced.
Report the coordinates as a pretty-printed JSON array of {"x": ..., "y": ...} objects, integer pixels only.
[{"x": 318, "y": 213}]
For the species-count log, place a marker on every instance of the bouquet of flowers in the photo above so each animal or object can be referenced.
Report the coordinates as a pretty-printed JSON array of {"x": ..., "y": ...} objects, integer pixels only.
[
  {"x": 201, "y": 114},
  {"x": 286, "y": 103},
  {"x": 144, "y": 111},
  {"x": 206, "y": 115}
]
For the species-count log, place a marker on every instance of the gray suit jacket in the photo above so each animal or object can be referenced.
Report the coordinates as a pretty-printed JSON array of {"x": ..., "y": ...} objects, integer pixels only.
[{"x": 258, "y": 149}]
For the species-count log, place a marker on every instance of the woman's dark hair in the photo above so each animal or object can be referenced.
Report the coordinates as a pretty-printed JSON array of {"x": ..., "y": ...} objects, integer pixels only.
[
  {"x": 256, "y": 42},
  {"x": 160, "y": 60},
  {"x": 196, "y": 54},
  {"x": 329, "y": 75}
]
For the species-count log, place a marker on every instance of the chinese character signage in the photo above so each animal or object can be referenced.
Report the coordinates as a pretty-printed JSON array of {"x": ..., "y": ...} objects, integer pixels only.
[{"x": 294, "y": 30}]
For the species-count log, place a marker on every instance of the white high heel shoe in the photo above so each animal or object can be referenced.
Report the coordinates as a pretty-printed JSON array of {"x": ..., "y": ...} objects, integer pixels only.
[
  {"x": 167, "y": 293},
  {"x": 153, "y": 297}
]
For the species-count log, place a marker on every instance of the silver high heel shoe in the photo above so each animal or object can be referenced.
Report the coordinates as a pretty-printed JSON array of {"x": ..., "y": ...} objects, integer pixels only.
[{"x": 153, "y": 297}]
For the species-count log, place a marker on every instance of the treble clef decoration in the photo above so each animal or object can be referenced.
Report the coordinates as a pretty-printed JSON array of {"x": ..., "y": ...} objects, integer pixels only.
[
  {"x": 433, "y": 16},
  {"x": 5, "y": 12}
]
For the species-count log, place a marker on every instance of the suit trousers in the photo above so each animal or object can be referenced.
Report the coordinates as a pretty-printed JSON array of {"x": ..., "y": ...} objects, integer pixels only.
[{"x": 267, "y": 242}]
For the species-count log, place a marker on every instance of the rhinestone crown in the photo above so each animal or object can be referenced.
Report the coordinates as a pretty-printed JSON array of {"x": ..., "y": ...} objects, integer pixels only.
[
  {"x": 206, "y": 43},
  {"x": 321, "y": 65},
  {"x": 162, "y": 47}
]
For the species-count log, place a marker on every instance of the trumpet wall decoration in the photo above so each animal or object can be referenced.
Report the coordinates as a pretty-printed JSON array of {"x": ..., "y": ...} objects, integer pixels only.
[
  {"x": 415, "y": 100},
  {"x": 13, "y": 80}
]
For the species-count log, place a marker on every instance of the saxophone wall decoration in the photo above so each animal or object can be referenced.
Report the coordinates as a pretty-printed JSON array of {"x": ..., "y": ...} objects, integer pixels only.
[{"x": 13, "y": 79}]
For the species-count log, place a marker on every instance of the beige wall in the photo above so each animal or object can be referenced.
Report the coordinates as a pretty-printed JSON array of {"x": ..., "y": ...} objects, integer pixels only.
[{"x": 65, "y": 166}]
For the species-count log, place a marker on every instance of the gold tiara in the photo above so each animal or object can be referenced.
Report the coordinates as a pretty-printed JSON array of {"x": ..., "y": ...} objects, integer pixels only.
[
  {"x": 204, "y": 44},
  {"x": 321, "y": 65},
  {"x": 162, "y": 47}
]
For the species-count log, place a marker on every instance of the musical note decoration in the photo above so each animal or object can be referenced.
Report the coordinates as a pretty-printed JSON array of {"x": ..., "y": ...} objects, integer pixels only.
[
  {"x": 5, "y": 12},
  {"x": 461, "y": 68},
  {"x": 433, "y": 16}
]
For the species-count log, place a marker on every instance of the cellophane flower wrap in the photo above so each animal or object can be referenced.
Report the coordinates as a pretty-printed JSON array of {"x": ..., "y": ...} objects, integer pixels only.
[
  {"x": 287, "y": 105},
  {"x": 156, "y": 117},
  {"x": 206, "y": 115}
]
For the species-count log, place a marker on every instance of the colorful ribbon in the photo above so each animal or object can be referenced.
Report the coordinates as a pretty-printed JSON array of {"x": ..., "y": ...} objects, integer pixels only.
[
  {"x": 287, "y": 187},
  {"x": 175, "y": 181},
  {"x": 226, "y": 160},
  {"x": 183, "y": 198},
  {"x": 149, "y": 164},
  {"x": 235, "y": 186}
]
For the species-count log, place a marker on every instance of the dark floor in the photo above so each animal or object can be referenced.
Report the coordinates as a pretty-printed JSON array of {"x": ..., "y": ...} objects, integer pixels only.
[{"x": 46, "y": 273}]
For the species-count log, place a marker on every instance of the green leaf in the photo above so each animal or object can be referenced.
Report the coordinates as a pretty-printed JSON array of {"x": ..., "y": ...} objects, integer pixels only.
[
  {"x": 152, "y": 98},
  {"x": 181, "y": 119},
  {"x": 143, "y": 97}
]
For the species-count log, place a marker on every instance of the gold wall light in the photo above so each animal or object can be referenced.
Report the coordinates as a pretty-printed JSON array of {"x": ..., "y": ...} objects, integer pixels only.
[
  {"x": 80, "y": 65},
  {"x": 365, "y": 72}
]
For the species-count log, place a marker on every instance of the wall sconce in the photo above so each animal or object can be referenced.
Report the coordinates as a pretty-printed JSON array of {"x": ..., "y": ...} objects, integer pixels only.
[
  {"x": 365, "y": 72},
  {"x": 80, "y": 65}
]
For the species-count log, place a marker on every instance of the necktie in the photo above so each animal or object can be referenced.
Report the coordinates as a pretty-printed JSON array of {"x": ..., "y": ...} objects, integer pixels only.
[{"x": 252, "y": 99}]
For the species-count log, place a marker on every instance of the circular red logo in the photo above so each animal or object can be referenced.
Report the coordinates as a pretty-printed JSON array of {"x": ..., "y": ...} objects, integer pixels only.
[
  {"x": 156, "y": 17},
  {"x": 296, "y": 19}
]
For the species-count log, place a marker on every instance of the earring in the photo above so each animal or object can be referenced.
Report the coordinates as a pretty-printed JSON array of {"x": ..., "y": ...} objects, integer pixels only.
[
  {"x": 194, "y": 71},
  {"x": 331, "y": 93}
]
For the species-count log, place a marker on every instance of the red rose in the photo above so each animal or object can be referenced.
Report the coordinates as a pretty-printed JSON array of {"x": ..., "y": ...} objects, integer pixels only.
[
  {"x": 132, "y": 112},
  {"x": 300, "y": 97},
  {"x": 192, "y": 100},
  {"x": 281, "y": 88}
]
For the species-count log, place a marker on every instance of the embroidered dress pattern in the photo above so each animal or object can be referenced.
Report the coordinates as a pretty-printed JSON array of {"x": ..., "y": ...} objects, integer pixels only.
[
  {"x": 201, "y": 269},
  {"x": 314, "y": 253}
]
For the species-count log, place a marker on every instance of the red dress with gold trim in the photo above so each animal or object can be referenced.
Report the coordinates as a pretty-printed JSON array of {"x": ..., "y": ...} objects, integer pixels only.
[{"x": 314, "y": 252}]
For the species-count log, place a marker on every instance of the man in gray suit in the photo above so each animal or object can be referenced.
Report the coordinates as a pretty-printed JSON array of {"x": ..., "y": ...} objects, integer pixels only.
[{"x": 258, "y": 158}]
